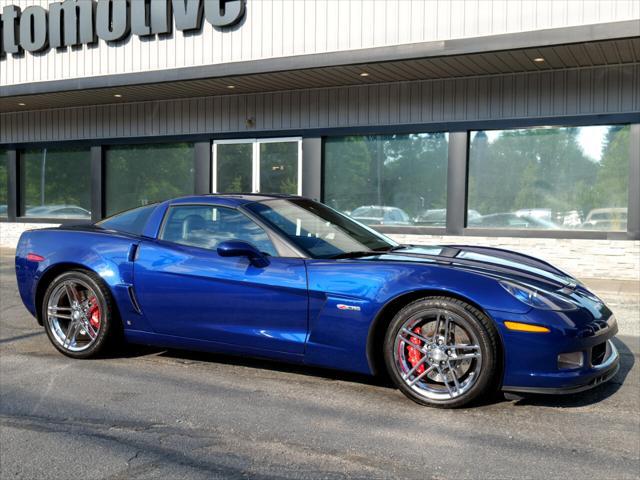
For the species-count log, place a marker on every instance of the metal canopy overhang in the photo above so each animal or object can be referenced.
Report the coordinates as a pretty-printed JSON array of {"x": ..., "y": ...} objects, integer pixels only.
[{"x": 566, "y": 48}]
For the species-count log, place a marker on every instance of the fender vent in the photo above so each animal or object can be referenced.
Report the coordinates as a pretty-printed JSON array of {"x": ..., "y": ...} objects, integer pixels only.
[{"x": 134, "y": 300}]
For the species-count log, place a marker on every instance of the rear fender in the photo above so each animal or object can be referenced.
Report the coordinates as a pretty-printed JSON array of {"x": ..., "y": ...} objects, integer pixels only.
[{"x": 106, "y": 254}]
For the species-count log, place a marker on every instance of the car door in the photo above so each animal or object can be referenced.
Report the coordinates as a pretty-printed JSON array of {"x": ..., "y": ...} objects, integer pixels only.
[{"x": 186, "y": 289}]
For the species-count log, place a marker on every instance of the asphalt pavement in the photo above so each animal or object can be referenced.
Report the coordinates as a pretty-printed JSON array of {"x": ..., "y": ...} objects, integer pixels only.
[{"x": 150, "y": 413}]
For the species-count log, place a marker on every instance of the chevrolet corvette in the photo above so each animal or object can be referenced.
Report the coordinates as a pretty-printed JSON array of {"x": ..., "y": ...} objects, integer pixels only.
[{"x": 290, "y": 279}]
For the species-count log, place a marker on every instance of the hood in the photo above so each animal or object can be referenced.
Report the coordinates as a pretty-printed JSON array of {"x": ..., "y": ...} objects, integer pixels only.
[
  {"x": 494, "y": 262},
  {"x": 502, "y": 265}
]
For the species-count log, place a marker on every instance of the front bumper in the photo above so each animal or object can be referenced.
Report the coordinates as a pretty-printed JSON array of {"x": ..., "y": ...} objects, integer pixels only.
[
  {"x": 531, "y": 359},
  {"x": 582, "y": 380}
]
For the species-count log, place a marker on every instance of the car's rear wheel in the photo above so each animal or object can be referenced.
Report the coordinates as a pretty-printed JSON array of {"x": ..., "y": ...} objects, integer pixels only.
[
  {"x": 78, "y": 314},
  {"x": 442, "y": 352}
]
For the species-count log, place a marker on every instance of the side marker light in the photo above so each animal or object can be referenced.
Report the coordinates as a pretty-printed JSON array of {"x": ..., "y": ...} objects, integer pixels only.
[{"x": 526, "y": 327}]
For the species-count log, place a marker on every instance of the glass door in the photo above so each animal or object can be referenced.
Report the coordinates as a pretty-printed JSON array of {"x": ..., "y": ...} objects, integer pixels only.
[
  {"x": 258, "y": 165},
  {"x": 233, "y": 167},
  {"x": 279, "y": 166}
]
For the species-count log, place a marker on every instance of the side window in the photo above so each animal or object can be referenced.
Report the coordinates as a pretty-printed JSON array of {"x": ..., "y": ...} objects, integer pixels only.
[
  {"x": 207, "y": 226},
  {"x": 395, "y": 216},
  {"x": 131, "y": 221}
]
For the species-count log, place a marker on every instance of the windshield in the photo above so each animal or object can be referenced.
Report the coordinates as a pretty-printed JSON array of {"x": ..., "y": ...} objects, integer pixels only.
[{"x": 318, "y": 230}]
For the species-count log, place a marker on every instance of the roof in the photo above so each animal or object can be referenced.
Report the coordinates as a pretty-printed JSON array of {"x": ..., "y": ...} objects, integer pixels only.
[
  {"x": 605, "y": 44},
  {"x": 231, "y": 199}
]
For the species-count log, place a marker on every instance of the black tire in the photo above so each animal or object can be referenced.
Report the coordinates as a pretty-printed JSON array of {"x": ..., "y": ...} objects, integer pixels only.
[
  {"x": 109, "y": 323},
  {"x": 470, "y": 319}
]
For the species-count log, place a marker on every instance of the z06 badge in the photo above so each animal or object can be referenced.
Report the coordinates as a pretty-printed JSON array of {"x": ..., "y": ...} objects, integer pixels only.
[{"x": 342, "y": 306}]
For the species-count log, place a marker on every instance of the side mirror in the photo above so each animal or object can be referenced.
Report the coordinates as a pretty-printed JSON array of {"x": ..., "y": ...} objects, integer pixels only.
[{"x": 238, "y": 248}]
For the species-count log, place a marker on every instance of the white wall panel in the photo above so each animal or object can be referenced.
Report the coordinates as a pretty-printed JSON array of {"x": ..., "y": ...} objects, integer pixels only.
[{"x": 277, "y": 28}]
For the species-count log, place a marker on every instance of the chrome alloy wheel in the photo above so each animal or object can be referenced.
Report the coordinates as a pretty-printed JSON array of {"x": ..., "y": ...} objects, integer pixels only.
[
  {"x": 74, "y": 315},
  {"x": 436, "y": 356}
]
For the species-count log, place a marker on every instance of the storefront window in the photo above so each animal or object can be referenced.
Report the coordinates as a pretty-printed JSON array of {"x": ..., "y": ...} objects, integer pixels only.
[
  {"x": 4, "y": 184},
  {"x": 549, "y": 178},
  {"x": 394, "y": 180},
  {"x": 56, "y": 183},
  {"x": 140, "y": 174}
]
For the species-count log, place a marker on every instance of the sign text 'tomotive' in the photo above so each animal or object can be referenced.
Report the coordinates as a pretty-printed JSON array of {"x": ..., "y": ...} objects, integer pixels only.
[{"x": 77, "y": 22}]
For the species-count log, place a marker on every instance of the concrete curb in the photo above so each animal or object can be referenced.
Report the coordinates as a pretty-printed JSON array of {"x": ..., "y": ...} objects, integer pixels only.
[{"x": 622, "y": 287}]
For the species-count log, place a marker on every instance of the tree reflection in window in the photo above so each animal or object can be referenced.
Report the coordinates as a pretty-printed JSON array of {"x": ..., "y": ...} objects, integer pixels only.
[
  {"x": 56, "y": 183},
  {"x": 396, "y": 180},
  {"x": 137, "y": 175},
  {"x": 550, "y": 178}
]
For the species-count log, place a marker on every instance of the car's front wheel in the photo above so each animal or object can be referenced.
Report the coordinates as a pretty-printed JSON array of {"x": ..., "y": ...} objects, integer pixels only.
[
  {"x": 78, "y": 314},
  {"x": 442, "y": 352}
]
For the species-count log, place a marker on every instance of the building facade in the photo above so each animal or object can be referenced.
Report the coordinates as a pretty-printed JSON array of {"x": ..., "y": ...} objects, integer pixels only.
[{"x": 507, "y": 123}]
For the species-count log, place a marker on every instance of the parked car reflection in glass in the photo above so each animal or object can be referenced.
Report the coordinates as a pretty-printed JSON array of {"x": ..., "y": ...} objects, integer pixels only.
[
  {"x": 606, "y": 219},
  {"x": 570, "y": 219},
  {"x": 380, "y": 215},
  {"x": 437, "y": 217},
  {"x": 58, "y": 211},
  {"x": 541, "y": 213},
  {"x": 511, "y": 220}
]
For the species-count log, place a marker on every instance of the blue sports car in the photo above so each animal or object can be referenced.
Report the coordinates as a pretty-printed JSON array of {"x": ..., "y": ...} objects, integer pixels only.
[{"x": 287, "y": 278}]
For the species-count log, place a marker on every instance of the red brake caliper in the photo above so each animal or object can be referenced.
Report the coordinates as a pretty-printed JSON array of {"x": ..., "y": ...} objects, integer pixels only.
[
  {"x": 414, "y": 354},
  {"x": 94, "y": 313}
]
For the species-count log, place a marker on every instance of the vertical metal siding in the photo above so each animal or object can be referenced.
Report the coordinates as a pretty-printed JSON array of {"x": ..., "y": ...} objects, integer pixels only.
[
  {"x": 277, "y": 28},
  {"x": 597, "y": 90}
]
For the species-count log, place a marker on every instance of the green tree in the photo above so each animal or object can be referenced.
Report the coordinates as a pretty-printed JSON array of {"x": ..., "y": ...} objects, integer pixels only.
[
  {"x": 530, "y": 168},
  {"x": 405, "y": 171},
  {"x": 347, "y": 180},
  {"x": 234, "y": 170},
  {"x": 65, "y": 173},
  {"x": 414, "y": 173},
  {"x": 279, "y": 167},
  {"x": 611, "y": 189},
  {"x": 140, "y": 174}
]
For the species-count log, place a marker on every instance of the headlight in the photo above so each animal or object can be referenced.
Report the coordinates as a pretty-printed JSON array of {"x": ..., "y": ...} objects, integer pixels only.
[{"x": 537, "y": 298}]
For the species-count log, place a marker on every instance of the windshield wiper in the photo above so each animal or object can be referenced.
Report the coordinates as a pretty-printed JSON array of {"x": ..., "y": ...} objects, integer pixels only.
[
  {"x": 392, "y": 249},
  {"x": 363, "y": 253},
  {"x": 366, "y": 253}
]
